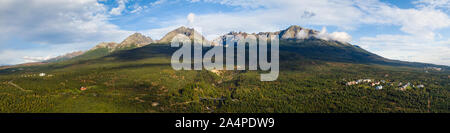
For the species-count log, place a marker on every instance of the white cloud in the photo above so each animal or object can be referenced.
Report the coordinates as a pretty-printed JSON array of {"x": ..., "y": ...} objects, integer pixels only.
[
  {"x": 18, "y": 56},
  {"x": 336, "y": 36},
  {"x": 419, "y": 22},
  {"x": 242, "y": 3},
  {"x": 137, "y": 8},
  {"x": 158, "y": 2},
  {"x": 60, "y": 22},
  {"x": 341, "y": 36},
  {"x": 409, "y": 48},
  {"x": 302, "y": 35},
  {"x": 120, "y": 8},
  {"x": 191, "y": 18},
  {"x": 36, "y": 58},
  {"x": 433, "y": 3},
  {"x": 421, "y": 42},
  {"x": 49, "y": 24}
]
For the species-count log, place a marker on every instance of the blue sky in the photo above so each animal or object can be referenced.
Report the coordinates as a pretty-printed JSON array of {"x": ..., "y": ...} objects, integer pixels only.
[{"x": 416, "y": 30}]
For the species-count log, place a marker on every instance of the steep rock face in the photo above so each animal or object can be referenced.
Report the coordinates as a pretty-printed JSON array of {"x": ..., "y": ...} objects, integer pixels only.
[
  {"x": 297, "y": 32},
  {"x": 293, "y": 33},
  {"x": 189, "y": 32},
  {"x": 137, "y": 40}
]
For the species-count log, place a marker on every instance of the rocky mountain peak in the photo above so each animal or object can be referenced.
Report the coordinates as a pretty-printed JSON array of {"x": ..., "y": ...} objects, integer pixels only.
[
  {"x": 293, "y": 32},
  {"x": 136, "y": 39},
  {"x": 296, "y": 32},
  {"x": 109, "y": 45},
  {"x": 189, "y": 32}
]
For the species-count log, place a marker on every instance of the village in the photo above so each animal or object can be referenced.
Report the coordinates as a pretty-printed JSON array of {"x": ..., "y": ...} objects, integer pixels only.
[
  {"x": 380, "y": 84},
  {"x": 82, "y": 88},
  {"x": 36, "y": 75}
]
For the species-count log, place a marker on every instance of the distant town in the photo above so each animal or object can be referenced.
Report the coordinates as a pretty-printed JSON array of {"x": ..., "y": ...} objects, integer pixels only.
[{"x": 380, "y": 84}]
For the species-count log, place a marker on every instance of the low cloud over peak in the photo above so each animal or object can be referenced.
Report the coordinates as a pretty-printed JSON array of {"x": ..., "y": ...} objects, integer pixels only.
[{"x": 336, "y": 36}]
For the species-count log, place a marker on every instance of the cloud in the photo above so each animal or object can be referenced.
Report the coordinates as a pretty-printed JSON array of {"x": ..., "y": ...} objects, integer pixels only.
[
  {"x": 341, "y": 36},
  {"x": 191, "y": 18},
  {"x": 421, "y": 22},
  {"x": 302, "y": 35},
  {"x": 137, "y": 8},
  {"x": 421, "y": 42},
  {"x": 241, "y": 3},
  {"x": 158, "y": 2},
  {"x": 18, "y": 56},
  {"x": 36, "y": 59},
  {"x": 45, "y": 25},
  {"x": 408, "y": 48},
  {"x": 336, "y": 36},
  {"x": 445, "y": 4},
  {"x": 56, "y": 22},
  {"x": 120, "y": 8}
]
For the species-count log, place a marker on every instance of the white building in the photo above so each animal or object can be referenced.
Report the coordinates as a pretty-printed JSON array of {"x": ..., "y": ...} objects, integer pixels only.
[
  {"x": 42, "y": 74},
  {"x": 367, "y": 80},
  {"x": 379, "y": 87}
]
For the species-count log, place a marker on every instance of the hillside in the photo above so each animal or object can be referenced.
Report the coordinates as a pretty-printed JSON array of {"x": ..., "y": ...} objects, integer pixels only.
[{"x": 64, "y": 57}]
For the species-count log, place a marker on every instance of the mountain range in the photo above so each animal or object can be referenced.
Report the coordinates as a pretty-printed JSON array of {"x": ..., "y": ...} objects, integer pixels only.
[
  {"x": 292, "y": 33},
  {"x": 303, "y": 41}
]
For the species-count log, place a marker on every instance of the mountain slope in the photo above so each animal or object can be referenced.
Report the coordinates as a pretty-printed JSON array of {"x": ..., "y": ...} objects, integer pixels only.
[
  {"x": 65, "y": 57},
  {"x": 135, "y": 40}
]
